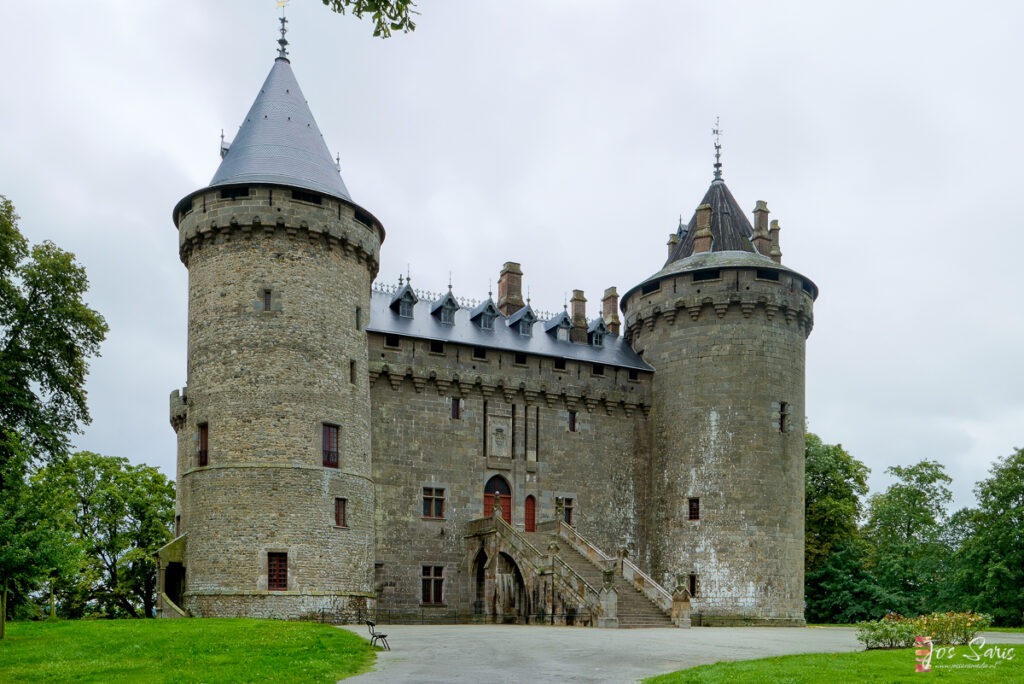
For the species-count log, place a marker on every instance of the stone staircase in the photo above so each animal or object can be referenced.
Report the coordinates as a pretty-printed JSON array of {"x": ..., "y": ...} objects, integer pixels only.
[{"x": 634, "y": 609}]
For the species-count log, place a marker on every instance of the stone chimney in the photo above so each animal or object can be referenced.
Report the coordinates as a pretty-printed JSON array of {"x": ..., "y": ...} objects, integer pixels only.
[
  {"x": 510, "y": 289},
  {"x": 773, "y": 233},
  {"x": 673, "y": 240},
  {"x": 702, "y": 238},
  {"x": 610, "y": 310},
  {"x": 579, "y": 317},
  {"x": 762, "y": 241}
]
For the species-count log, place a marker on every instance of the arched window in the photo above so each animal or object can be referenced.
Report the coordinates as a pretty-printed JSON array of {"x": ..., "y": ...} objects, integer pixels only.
[{"x": 530, "y": 514}]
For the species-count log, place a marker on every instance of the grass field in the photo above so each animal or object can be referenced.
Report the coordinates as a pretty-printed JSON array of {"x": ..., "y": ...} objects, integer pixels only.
[
  {"x": 208, "y": 650},
  {"x": 866, "y": 666}
]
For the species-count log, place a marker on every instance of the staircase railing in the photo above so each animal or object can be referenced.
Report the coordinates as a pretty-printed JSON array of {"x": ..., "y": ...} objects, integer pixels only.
[{"x": 640, "y": 580}]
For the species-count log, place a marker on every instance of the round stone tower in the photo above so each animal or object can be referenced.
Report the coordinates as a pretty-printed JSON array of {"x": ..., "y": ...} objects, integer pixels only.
[
  {"x": 275, "y": 496},
  {"x": 724, "y": 324}
]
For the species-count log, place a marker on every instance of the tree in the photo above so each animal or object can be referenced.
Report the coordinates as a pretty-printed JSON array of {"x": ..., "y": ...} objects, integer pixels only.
[
  {"x": 119, "y": 514},
  {"x": 835, "y": 482},
  {"x": 47, "y": 336},
  {"x": 836, "y": 587},
  {"x": 387, "y": 15},
  {"x": 905, "y": 529},
  {"x": 990, "y": 560}
]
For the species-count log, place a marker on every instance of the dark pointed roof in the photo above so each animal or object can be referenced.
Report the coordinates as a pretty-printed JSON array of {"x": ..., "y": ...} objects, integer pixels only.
[
  {"x": 279, "y": 142},
  {"x": 730, "y": 229}
]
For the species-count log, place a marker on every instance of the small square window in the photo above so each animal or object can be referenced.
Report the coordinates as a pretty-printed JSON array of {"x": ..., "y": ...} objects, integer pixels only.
[
  {"x": 330, "y": 446},
  {"x": 634, "y": 375},
  {"x": 433, "y": 502},
  {"x": 694, "y": 509},
  {"x": 479, "y": 353},
  {"x": 598, "y": 369},
  {"x": 392, "y": 341},
  {"x": 559, "y": 364},
  {"x": 277, "y": 571},
  {"x": 341, "y": 512},
  {"x": 433, "y": 585},
  {"x": 520, "y": 359},
  {"x": 436, "y": 347}
]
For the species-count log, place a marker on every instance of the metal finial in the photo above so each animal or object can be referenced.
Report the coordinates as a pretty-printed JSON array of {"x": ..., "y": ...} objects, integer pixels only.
[
  {"x": 717, "y": 132},
  {"x": 400, "y": 281},
  {"x": 449, "y": 281},
  {"x": 337, "y": 162},
  {"x": 282, "y": 51}
]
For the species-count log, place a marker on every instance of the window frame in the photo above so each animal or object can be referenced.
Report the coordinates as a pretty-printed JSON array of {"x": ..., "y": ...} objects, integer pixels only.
[
  {"x": 340, "y": 512},
  {"x": 277, "y": 571},
  {"x": 693, "y": 508},
  {"x": 432, "y": 585},
  {"x": 330, "y": 435},
  {"x": 203, "y": 451},
  {"x": 433, "y": 503}
]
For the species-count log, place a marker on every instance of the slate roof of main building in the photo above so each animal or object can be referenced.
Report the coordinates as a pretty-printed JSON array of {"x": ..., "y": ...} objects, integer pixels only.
[
  {"x": 280, "y": 143},
  {"x": 614, "y": 350}
]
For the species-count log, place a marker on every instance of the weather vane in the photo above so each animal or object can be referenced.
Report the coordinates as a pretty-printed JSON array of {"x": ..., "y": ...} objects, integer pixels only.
[
  {"x": 282, "y": 51},
  {"x": 717, "y": 132}
]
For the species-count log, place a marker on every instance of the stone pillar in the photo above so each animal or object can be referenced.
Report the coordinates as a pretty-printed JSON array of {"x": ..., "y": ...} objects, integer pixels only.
[{"x": 609, "y": 601}]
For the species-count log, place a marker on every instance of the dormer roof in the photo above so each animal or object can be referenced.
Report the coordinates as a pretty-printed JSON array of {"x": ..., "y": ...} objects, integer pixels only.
[
  {"x": 404, "y": 294},
  {"x": 279, "y": 142},
  {"x": 562, "y": 320}
]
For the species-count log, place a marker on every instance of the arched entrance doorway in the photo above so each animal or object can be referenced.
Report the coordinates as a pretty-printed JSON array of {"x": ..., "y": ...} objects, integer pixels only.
[
  {"x": 511, "y": 602},
  {"x": 530, "y": 514},
  {"x": 497, "y": 488}
]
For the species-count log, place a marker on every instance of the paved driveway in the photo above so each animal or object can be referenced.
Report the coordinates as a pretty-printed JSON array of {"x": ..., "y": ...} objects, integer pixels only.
[{"x": 494, "y": 654}]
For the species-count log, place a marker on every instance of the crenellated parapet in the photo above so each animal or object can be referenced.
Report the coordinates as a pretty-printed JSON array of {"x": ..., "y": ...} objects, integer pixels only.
[
  {"x": 245, "y": 213},
  {"x": 572, "y": 396}
]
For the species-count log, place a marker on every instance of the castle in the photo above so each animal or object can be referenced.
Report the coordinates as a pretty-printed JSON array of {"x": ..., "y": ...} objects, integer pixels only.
[{"x": 348, "y": 449}]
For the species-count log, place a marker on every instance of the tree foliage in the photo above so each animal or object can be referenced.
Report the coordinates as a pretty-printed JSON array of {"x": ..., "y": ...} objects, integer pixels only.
[
  {"x": 387, "y": 15},
  {"x": 835, "y": 483},
  {"x": 905, "y": 529},
  {"x": 119, "y": 515}
]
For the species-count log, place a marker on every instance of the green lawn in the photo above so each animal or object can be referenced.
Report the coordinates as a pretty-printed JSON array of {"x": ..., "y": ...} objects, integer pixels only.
[
  {"x": 202, "y": 650},
  {"x": 865, "y": 666}
]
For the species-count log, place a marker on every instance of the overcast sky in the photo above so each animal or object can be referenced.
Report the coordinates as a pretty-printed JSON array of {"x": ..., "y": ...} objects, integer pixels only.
[{"x": 569, "y": 136}]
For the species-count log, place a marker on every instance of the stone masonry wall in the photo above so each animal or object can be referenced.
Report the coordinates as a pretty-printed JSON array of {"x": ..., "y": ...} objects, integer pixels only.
[
  {"x": 729, "y": 360},
  {"x": 418, "y": 444},
  {"x": 264, "y": 380}
]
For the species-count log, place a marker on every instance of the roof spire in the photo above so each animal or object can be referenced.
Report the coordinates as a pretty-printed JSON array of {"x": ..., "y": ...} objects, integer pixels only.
[
  {"x": 717, "y": 132},
  {"x": 282, "y": 51}
]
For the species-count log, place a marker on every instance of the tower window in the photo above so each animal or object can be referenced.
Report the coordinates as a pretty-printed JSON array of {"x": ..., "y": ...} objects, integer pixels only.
[
  {"x": 573, "y": 424},
  {"x": 277, "y": 571},
  {"x": 710, "y": 274},
  {"x": 767, "y": 274},
  {"x": 359, "y": 318},
  {"x": 267, "y": 299},
  {"x": 456, "y": 408},
  {"x": 330, "y": 445},
  {"x": 693, "y": 584},
  {"x": 568, "y": 506},
  {"x": 306, "y": 197},
  {"x": 648, "y": 288},
  {"x": 433, "y": 502},
  {"x": 234, "y": 193},
  {"x": 352, "y": 372},
  {"x": 204, "y": 444},
  {"x": 694, "y": 509},
  {"x": 341, "y": 512},
  {"x": 783, "y": 416},
  {"x": 433, "y": 585}
]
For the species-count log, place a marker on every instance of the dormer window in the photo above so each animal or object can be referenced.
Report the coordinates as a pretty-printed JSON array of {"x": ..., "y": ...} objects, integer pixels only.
[
  {"x": 596, "y": 332},
  {"x": 560, "y": 325},
  {"x": 484, "y": 315},
  {"x": 405, "y": 308},
  {"x": 526, "y": 328},
  {"x": 598, "y": 339},
  {"x": 523, "y": 320},
  {"x": 404, "y": 301},
  {"x": 487, "y": 320},
  {"x": 562, "y": 334},
  {"x": 444, "y": 308}
]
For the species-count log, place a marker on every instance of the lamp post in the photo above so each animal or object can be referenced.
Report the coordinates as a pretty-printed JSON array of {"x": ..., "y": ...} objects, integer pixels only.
[{"x": 553, "y": 550}]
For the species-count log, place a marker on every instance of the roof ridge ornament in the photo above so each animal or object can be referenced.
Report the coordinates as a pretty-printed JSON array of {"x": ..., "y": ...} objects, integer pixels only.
[{"x": 717, "y": 132}]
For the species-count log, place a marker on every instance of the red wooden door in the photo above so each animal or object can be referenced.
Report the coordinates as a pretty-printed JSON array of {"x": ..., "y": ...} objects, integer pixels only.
[
  {"x": 497, "y": 488},
  {"x": 530, "y": 514}
]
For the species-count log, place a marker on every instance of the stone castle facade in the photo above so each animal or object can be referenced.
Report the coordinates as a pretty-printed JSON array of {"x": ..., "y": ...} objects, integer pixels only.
[{"x": 347, "y": 449}]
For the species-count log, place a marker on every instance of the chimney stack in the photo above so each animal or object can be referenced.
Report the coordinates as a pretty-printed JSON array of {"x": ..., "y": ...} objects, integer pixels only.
[
  {"x": 702, "y": 238},
  {"x": 673, "y": 240},
  {"x": 610, "y": 310},
  {"x": 510, "y": 289},
  {"x": 762, "y": 241},
  {"x": 579, "y": 317},
  {"x": 776, "y": 252}
]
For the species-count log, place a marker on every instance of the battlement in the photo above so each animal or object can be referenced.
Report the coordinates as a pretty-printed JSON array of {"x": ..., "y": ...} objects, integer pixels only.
[
  {"x": 246, "y": 211},
  {"x": 721, "y": 293}
]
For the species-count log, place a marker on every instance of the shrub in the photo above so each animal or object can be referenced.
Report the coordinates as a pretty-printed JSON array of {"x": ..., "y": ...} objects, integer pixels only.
[{"x": 896, "y": 631}]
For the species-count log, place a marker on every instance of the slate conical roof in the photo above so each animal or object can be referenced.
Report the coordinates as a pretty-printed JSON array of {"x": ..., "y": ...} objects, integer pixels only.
[
  {"x": 730, "y": 229},
  {"x": 279, "y": 142}
]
